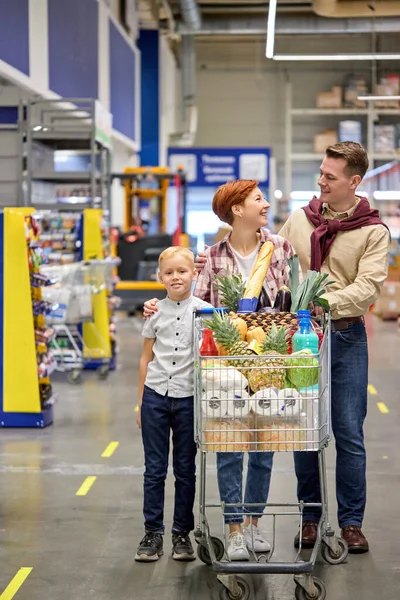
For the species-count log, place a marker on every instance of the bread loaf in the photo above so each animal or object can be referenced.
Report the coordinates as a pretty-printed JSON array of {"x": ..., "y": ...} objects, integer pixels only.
[
  {"x": 280, "y": 438},
  {"x": 259, "y": 272},
  {"x": 225, "y": 435}
]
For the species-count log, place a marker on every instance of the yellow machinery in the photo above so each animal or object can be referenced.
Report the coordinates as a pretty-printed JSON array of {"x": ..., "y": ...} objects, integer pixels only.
[{"x": 147, "y": 186}]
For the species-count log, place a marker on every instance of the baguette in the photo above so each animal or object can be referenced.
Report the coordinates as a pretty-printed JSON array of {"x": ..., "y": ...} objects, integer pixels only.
[{"x": 260, "y": 269}]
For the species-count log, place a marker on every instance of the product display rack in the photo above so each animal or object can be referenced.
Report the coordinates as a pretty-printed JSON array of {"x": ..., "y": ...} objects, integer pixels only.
[
  {"x": 26, "y": 398},
  {"x": 295, "y": 114},
  {"x": 92, "y": 248},
  {"x": 78, "y": 131},
  {"x": 82, "y": 235},
  {"x": 59, "y": 236}
]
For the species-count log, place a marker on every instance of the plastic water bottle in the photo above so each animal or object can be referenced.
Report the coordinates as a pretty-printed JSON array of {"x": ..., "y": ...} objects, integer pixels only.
[
  {"x": 208, "y": 346},
  {"x": 305, "y": 337}
]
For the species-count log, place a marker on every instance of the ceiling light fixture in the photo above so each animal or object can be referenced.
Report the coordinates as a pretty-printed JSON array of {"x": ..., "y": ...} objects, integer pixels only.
[
  {"x": 335, "y": 57},
  {"x": 395, "y": 195},
  {"x": 372, "y": 98},
  {"x": 271, "y": 29}
]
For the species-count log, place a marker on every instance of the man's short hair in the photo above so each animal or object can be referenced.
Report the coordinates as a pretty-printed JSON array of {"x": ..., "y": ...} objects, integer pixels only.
[{"x": 354, "y": 154}]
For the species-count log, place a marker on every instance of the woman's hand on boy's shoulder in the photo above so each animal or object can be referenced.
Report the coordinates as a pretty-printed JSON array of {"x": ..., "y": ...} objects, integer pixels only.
[
  {"x": 150, "y": 308},
  {"x": 201, "y": 260}
]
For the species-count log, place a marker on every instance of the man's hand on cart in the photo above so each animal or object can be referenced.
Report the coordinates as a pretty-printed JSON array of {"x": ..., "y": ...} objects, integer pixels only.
[
  {"x": 150, "y": 307},
  {"x": 316, "y": 311}
]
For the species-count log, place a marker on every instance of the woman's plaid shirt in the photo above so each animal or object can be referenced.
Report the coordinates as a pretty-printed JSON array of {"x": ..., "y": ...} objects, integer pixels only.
[{"x": 220, "y": 258}]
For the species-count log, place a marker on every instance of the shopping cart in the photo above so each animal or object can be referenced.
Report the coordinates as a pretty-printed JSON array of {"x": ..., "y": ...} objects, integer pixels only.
[
  {"x": 295, "y": 417},
  {"x": 72, "y": 295}
]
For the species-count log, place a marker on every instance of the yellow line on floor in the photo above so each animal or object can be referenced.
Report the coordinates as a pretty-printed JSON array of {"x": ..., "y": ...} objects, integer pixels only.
[
  {"x": 15, "y": 583},
  {"x": 85, "y": 487},
  {"x": 137, "y": 408},
  {"x": 382, "y": 407},
  {"x": 109, "y": 451},
  {"x": 372, "y": 390}
]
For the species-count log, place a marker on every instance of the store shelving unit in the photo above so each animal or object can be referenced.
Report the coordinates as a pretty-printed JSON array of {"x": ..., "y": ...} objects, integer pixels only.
[
  {"x": 25, "y": 391},
  {"x": 81, "y": 130},
  {"x": 370, "y": 115}
]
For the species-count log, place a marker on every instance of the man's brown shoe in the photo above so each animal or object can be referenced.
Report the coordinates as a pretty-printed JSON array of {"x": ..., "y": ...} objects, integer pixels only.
[
  {"x": 309, "y": 536},
  {"x": 356, "y": 540}
]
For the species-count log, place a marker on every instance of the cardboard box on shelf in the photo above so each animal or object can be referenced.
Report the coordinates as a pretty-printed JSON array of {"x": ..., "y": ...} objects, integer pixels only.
[
  {"x": 388, "y": 86},
  {"x": 323, "y": 140},
  {"x": 393, "y": 80},
  {"x": 388, "y": 304},
  {"x": 355, "y": 86},
  {"x": 331, "y": 99},
  {"x": 350, "y": 131},
  {"x": 384, "y": 138}
]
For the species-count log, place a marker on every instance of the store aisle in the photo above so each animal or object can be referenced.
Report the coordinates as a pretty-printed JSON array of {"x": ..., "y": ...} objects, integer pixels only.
[{"x": 82, "y": 547}]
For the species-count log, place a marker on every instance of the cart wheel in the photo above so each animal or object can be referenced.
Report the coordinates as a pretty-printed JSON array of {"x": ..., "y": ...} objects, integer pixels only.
[
  {"x": 335, "y": 559},
  {"x": 301, "y": 593},
  {"x": 103, "y": 371},
  {"x": 204, "y": 555},
  {"x": 75, "y": 376},
  {"x": 245, "y": 592}
]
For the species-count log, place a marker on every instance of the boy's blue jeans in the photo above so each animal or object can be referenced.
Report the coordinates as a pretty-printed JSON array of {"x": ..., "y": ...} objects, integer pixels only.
[
  {"x": 349, "y": 409},
  {"x": 160, "y": 415},
  {"x": 230, "y": 482}
]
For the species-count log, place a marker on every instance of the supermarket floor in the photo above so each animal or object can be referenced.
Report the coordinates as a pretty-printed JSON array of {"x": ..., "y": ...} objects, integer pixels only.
[{"x": 82, "y": 547}]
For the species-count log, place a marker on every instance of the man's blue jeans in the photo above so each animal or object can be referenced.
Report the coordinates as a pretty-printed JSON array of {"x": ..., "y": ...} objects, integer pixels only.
[
  {"x": 230, "y": 482},
  {"x": 161, "y": 415},
  {"x": 349, "y": 409}
]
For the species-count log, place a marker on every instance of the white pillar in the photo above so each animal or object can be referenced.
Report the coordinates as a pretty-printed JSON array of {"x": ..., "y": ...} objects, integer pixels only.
[{"x": 39, "y": 44}]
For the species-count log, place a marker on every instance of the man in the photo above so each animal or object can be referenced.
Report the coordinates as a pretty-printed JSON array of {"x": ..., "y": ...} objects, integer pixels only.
[{"x": 341, "y": 235}]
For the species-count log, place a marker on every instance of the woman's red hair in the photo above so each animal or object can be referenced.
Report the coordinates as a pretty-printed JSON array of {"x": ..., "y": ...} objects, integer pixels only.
[{"x": 230, "y": 194}]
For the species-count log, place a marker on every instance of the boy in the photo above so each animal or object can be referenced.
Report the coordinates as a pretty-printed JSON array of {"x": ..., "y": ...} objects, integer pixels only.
[{"x": 166, "y": 386}]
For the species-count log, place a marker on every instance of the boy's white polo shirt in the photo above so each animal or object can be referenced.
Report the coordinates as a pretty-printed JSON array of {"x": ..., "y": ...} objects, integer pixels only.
[{"x": 172, "y": 368}]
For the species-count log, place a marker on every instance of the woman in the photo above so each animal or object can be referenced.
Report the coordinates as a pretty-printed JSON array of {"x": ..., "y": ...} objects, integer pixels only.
[{"x": 241, "y": 204}]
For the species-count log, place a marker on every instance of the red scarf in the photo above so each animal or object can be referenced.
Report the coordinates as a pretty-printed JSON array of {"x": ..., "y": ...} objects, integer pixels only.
[{"x": 325, "y": 230}]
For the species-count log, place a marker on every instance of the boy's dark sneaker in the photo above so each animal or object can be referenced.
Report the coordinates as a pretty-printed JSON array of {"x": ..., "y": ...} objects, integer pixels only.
[
  {"x": 150, "y": 548},
  {"x": 182, "y": 548}
]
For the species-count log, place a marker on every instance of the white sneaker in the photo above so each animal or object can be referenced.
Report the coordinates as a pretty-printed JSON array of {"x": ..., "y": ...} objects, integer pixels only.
[
  {"x": 236, "y": 547},
  {"x": 255, "y": 539}
]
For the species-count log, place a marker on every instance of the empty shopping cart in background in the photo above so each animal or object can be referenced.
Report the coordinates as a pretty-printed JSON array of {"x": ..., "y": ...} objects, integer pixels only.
[{"x": 72, "y": 296}]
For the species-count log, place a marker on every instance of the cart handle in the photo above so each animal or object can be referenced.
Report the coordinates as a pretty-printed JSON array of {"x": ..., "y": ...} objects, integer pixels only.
[{"x": 208, "y": 311}]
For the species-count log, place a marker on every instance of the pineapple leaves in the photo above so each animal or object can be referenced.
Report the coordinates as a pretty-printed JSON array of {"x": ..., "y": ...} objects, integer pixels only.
[{"x": 231, "y": 289}]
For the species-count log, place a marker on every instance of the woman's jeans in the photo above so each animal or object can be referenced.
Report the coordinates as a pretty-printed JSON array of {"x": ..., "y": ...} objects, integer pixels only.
[
  {"x": 230, "y": 482},
  {"x": 160, "y": 415},
  {"x": 349, "y": 408}
]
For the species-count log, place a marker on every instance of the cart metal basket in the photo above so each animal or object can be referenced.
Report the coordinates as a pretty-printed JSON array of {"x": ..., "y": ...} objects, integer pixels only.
[
  {"x": 264, "y": 403},
  {"x": 72, "y": 297}
]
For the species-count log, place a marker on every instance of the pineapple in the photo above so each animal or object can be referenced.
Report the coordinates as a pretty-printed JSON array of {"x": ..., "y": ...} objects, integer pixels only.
[
  {"x": 273, "y": 373},
  {"x": 231, "y": 289},
  {"x": 227, "y": 335}
]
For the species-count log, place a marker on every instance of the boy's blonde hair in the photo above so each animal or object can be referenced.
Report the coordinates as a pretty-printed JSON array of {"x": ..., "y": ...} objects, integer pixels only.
[{"x": 172, "y": 251}]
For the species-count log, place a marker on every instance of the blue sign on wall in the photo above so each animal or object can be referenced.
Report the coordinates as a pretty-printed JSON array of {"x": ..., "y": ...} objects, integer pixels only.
[
  {"x": 122, "y": 83},
  {"x": 14, "y": 33},
  {"x": 211, "y": 167},
  {"x": 73, "y": 48}
]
